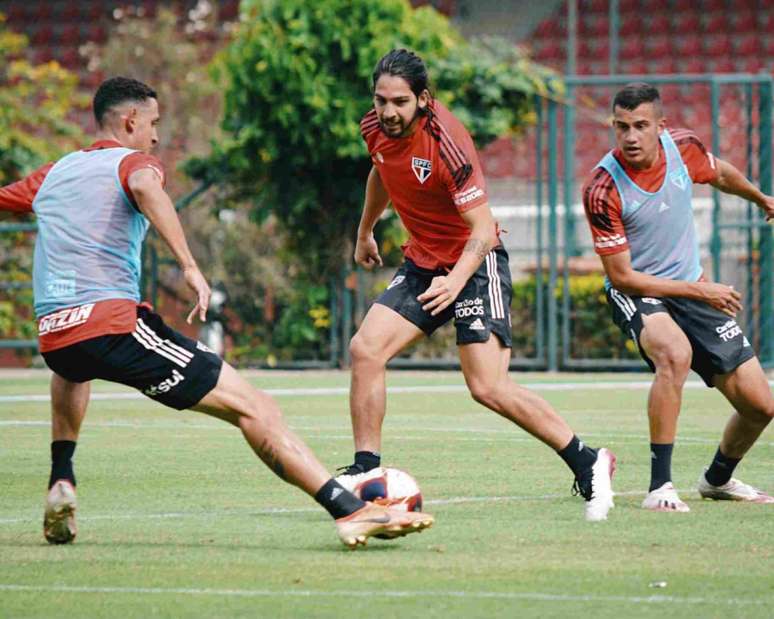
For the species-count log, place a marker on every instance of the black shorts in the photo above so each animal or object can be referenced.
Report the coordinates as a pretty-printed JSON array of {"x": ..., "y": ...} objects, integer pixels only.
[
  {"x": 162, "y": 363},
  {"x": 483, "y": 306},
  {"x": 718, "y": 344}
]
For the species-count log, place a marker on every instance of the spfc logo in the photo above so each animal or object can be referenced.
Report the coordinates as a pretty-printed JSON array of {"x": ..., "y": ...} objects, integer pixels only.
[{"x": 422, "y": 168}]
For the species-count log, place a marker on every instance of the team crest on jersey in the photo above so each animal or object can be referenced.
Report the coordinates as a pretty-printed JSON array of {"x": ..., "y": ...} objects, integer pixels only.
[{"x": 422, "y": 168}]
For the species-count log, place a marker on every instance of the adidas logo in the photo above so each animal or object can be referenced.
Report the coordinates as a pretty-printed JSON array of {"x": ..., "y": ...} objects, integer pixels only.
[
  {"x": 664, "y": 206},
  {"x": 335, "y": 492},
  {"x": 477, "y": 325}
]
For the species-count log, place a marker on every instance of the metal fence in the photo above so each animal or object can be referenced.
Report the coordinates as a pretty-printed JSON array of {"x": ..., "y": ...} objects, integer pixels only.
[{"x": 554, "y": 328}]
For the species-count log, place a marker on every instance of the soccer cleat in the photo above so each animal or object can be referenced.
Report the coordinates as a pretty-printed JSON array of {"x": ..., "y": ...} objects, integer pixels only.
[
  {"x": 353, "y": 477},
  {"x": 378, "y": 521},
  {"x": 597, "y": 488},
  {"x": 59, "y": 518},
  {"x": 664, "y": 499},
  {"x": 732, "y": 490}
]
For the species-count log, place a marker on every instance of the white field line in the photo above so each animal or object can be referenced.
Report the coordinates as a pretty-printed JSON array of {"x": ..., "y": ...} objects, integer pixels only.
[
  {"x": 535, "y": 596},
  {"x": 494, "y": 435},
  {"x": 562, "y": 386},
  {"x": 270, "y": 511}
]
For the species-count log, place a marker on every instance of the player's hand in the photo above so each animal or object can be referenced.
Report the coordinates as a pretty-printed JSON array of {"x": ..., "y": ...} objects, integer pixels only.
[
  {"x": 722, "y": 297},
  {"x": 367, "y": 253},
  {"x": 197, "y": 283},
  {"x": 442, "y": 292},
  {"x": 767, "y": 206}
]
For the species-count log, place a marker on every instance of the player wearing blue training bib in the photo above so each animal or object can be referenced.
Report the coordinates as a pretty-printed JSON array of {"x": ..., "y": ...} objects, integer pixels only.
[{"x": 638, "y": 203}]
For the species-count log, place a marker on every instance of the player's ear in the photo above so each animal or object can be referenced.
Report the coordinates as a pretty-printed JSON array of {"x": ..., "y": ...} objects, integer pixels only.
[
  {"x": 423, "y": 100},
  {"x": 130, "y": 120}
]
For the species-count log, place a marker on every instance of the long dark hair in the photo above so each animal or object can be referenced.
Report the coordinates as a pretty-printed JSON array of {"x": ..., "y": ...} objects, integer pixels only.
[{"x": 405, "y": 64}]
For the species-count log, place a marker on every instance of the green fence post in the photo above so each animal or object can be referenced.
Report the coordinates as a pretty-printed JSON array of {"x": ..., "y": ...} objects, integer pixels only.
[
  {"x": 540, "y": 335},
  {"x": 715, "y": 242},
  {"x": 765, "y": 236},
  {"x": 553, "y": 181},
  {"x": 346, "y": 317},
  {"x": 750, "y": 219}
]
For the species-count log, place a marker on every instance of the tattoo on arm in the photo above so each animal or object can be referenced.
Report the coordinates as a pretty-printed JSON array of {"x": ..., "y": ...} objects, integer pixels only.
[
  {"x": 270, "y": 457},
  {"x": 478, "y": 247}
]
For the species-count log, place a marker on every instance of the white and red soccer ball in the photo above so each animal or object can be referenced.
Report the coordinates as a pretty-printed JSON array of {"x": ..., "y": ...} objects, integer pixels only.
[{"x": 392, "y": 487}]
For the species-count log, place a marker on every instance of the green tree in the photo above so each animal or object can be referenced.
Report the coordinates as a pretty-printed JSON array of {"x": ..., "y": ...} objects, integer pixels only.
[
  {"x": 296, "y": 81},
  {"x": 35, "y": 104}
]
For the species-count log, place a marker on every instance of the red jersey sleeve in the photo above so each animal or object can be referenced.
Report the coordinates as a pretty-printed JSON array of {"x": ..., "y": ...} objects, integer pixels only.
[
  {"x": 369, "y": 129},
  {"x": 603, "y": 212},
  {"x": 461, "y": 170},
  {"x": 17, "y": 197},
  {"x": 138, "y": 161},
  {"x": 700, "y": 162}
]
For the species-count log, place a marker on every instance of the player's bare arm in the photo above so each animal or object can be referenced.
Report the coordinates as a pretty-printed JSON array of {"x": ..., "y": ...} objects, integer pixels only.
[
  {"x": 445, "y": 289},
  {"x": 376, "y": 198},
  {"x": 623, "y": 277},
  {"x": 731, "y": 180},
  {"x": 156, "y": 205}
]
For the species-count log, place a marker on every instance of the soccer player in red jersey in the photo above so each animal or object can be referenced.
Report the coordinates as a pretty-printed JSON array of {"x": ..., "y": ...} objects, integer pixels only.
[
  {"x": 424, "y": 162},
  {"x": 93, "y": 209},
  {"x": 638, "y": 203}
]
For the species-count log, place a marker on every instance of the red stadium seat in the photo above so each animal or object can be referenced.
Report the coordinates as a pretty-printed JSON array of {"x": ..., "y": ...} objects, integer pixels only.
[
  {"x": 631, "y": 48},
  {"x": 716, "y": 23},
  {"x": 682, "y": 7},
  {"x": 629, "y": 6},
  {"x": 691, "y": 64},
  {"x": 631, "y": 25},
  {"x": 43, "y": 12},
  {"x": 658, "y": 46},
  {"x": 96, "y": 33},
  {"x": 687, "y": 23},
  {"x": 594, "y": 26},
  {"x": 634, "y": 66},
  {"x": 654, "y": 7},
  {"x": 747, "y": 45},
  {"x": 718, "y": 46},
  {"x": 745, "y": 21},
  {"x": 751, "y": 64},
  {"x": 722, "y": 65},
  {"x": 663, "y": 65},
  {"x": 660, "y": 24},
  {"x": 69, "y": 35},
  {"x": 593, "y": 6},
  {"x": 43, "y": 35},
  {"x": 688, "y": 45},
  {"x": 766, "y": 23},
  {"x": 551, "y": 51},
  {"x": 69, "y": 57}
]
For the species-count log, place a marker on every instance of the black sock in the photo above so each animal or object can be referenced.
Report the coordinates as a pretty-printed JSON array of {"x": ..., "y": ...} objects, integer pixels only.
[
  {"x": 660, "y": 464},
  {"x": 367, "y": 460},
  {"x": 721, "y": 469},
  {"x": 62, "y": 462},
  {"x": 338, "y": 501},
  {"x": 578, "y": 456}
]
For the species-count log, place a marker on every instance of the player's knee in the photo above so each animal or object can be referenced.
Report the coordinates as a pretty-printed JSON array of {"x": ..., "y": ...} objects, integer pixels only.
[
  {"x": 674, "y": 362},
  {"x": 361, "y": 351},
  {"x": 485, "y": 393}
]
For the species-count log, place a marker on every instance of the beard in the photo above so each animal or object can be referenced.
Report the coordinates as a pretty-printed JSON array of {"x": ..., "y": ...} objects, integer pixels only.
[{"x": 399, "y": 128}]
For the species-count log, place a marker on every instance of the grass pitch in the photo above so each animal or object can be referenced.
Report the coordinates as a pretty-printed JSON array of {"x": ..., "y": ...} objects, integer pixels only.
[{"x": 178, "y": 518}]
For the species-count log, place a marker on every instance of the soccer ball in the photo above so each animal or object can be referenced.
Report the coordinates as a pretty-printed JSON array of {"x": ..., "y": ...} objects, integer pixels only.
[{"x": 394, "y": 488}]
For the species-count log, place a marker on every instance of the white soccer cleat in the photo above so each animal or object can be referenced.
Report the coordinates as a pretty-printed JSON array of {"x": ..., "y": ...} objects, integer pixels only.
[
  {"x": 600, "y": 500},
  {"x": 732, "y": 490},
  {"x": 353, "y": 481},
  {"x": 59, "y": 517},
  {"x": 378, "y": 521},
  {"x": 664, "y": 499}
]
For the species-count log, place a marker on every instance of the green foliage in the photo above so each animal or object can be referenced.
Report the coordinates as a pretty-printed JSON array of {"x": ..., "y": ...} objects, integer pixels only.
[
  {"x": 35, "y": 101},
  {"x": 296, "y": 82}
]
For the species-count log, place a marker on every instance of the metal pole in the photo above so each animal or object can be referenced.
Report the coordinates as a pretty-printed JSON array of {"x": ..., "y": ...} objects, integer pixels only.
[
  {"x": 553, "y": 181},
  {"x": 749, "y": 324},
  {"x": 572, "y": 36},
  {"x": 715, "y": 243},
  {"x": 765, "y": 239},
  {"x": 334, "y": 333},
  {"x": 568, "y": 246},
  {"x": 615, "y": 22},
  {"x": 540, "y": 346}
]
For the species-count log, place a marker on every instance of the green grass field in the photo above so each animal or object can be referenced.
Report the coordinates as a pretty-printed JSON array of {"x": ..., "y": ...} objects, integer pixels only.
[{"x": 177, "y": 518}]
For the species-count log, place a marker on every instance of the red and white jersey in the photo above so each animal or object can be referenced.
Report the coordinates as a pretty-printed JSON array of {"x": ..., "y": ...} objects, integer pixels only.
[{"x": 431, "y": 177}]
